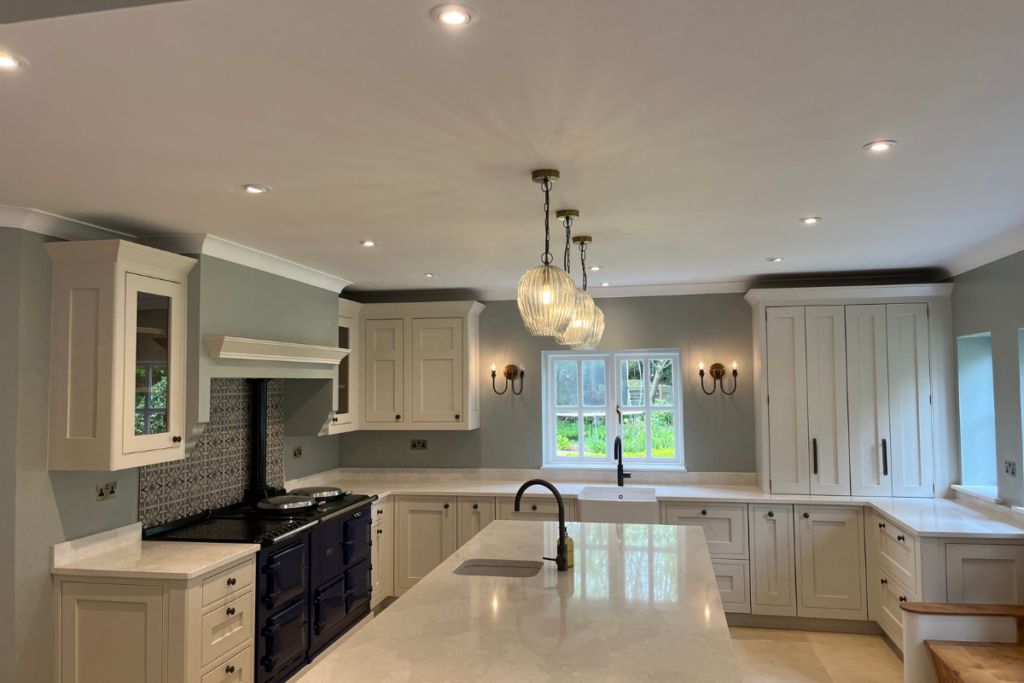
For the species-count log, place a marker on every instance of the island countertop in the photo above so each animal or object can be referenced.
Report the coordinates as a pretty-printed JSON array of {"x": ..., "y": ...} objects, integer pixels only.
[{"x": 641, "y": 604}]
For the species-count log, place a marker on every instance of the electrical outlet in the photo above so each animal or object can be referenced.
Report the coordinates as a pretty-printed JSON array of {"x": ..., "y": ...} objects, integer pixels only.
[
  {"x": 1011, "y": 468},
  {"x": 419, "y": 444},
  {"x": 106, "y": 491},
  {"x": 297, "y": 452}
]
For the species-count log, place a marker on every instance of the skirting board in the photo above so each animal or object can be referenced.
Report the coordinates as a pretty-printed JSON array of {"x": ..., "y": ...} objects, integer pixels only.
[{"x": 857, "y": 626}]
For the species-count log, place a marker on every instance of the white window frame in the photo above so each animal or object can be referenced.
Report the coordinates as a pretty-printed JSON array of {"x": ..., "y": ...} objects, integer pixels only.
[{"x": 613, "y": 390}]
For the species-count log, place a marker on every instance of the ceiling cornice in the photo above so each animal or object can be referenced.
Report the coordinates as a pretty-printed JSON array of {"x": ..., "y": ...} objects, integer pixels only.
[
  {"x": 992, "y": 249},
  {"x": 52, "y": 225},
  {"x": 211, "y": 245}
]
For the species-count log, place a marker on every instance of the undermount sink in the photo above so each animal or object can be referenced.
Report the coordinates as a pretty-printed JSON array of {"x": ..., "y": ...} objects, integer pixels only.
[
  {"x": 618, "y": 505},
  {"x": 514, "y": 569}
]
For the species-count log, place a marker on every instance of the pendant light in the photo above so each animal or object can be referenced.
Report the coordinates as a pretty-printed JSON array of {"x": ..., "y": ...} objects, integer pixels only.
[
  {"x": 547, "y": 294},
  {"x": 578, "y": 332},
  {"x": 596, "y": 332}
]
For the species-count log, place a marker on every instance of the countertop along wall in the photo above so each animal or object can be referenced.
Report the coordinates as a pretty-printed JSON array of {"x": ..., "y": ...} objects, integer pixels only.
[
  {"x": 718, "y": 430},
  {"x": 991, "y": 299}
]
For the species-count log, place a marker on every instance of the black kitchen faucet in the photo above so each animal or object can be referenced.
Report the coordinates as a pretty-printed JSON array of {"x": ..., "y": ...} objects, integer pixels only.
[{"x": 561, "y": 558}]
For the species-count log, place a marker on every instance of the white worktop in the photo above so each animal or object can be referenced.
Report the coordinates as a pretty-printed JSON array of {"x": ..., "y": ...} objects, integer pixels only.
[
  {"x": 926, "y": 517},
  {"x": 122, "y": 553},
  {"x": 641, "y": 604}
]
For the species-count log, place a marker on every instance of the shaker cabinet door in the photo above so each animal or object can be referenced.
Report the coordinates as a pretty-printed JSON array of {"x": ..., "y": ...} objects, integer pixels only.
[
  {"x": 867, "y": 377},
  {"x": 788, "y": 445},
  {"x": 773, "y": 575},
  {"x": 830, "y": 567},
  {"x": 426, "y": 536},
  {"x": 384, "y": 378},
  {"x": 437, "y": 367},
  {"x": 910, "y": 411},
  {"x": 827, "y": 422}
]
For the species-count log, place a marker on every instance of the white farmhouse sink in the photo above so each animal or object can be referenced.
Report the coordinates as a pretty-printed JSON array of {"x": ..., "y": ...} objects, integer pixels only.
[{"x": 618, "y": 505}]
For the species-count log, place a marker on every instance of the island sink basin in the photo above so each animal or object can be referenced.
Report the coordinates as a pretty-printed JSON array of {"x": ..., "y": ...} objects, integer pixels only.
[
  {"x": 513, "y": 569},
  {"x": 618, "y": 505}
]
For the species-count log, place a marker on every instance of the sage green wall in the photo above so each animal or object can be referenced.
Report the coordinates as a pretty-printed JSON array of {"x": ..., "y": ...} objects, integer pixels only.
[
  {"x": 718, "y": 429},
  {"x": 40, "y": 508},
  {"x": 991, "y": 299}
]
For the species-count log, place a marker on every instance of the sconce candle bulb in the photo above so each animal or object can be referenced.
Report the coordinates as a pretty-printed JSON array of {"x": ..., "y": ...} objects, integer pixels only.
[{"x": 717, "y": 373}]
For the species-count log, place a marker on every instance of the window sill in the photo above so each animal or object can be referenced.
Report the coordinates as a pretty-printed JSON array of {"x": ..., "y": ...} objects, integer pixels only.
[
  {"x": 612, "y": 468},
  {"x": 988, "y": 494}
]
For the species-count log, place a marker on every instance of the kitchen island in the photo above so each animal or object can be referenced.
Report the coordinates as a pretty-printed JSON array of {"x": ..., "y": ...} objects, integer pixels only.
[{"x": 640, "y": 604}]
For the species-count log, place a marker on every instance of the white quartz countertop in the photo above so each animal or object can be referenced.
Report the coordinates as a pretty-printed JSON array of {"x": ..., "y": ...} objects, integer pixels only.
[
  {"x": 934, "y": 517},
  {"x": 641, "y": 604},
  {"x": 122, "y": 553}
]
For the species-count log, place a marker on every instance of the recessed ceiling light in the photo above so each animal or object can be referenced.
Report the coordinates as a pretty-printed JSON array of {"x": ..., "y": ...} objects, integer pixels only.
[
  {"x": 257, "y": 189},
  {"x": 880, "y": 145},
  {"x": 430, "y": 275},
  {"x": 453, "y": 16},
  {"x": 605, "y": 284},
  {"x": 9, "y": 61},
  {"x": 368, "y": 243},
  {"x": 774, "y": 259},
  {"x": 811, "y": 220},
  {"x": 595, "y": 267}
]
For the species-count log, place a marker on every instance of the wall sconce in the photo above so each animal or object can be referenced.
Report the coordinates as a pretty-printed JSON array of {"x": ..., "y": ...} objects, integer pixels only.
[
  {"x": 717, "y": 373},
  {"x": 511, "y": 373}
]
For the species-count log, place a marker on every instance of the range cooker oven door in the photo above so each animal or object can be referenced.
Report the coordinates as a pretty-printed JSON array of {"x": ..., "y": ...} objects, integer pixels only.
[
  {"x": 284, "y": 575},
  {"x": 357, "y": 537},
  {"x": 284, "y": 636},
  {"x": 357, "y": 583},
  {"x": 328, "y": 608}
]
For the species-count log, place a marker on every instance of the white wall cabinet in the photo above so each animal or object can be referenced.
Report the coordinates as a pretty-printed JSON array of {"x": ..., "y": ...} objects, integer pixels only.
[
  {"x": 772, "y": 560},
  {"x": 426, "y": 534},
  {"x": 830, "y": 569},
  {"x": 117, "y": 356},
  {"x": 420, "y": 368},
  {"x": 985, "y": 574},
  {"x": 847, "y": 398},
  {"x": 346, "y": 414},
  {"x": 123, "y": 630},
  {"x": 475, "y": 513}
]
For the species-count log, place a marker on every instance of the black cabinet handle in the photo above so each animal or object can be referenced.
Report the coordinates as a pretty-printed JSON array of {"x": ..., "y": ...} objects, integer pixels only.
[
  {"x": 458, "y": 417},
  {"x": 380, "y": 531},
  {"x": 446, "y": 506},
  {"x": 885, "y": 582},
  {"x": 176, "y": 439},
  {"x": 475, "y": 506},
  {"x": 771, "y": 514},
  {"x": 807, "y": 515},
  {"x": 232, "y": 581},
  {"x": 397, "y": 418},
  {"x": 334, "y": 419},
  {"x": 900, "y": 538},
  {"x": 903, "y": 598},
  {"x": 533, "y": 507},
  {"x": 230, "y": 611},
  {"x": 380, "y": 512},
  {"x": 885, "y": 459},
  {"x": 881, "y": 525},
  {"x": 704, "y": 512},
  {"x": 229, "y": 669},
  {"x": 814, "y": 443}
]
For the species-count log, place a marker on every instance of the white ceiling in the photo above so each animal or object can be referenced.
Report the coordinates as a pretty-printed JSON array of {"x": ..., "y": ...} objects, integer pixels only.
[{"x": 691, "y": 135}]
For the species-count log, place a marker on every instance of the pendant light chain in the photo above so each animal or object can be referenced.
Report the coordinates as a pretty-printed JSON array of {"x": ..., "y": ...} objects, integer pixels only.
[
  {"x": 583, "y": 263},
  {"x": 546, "y": 259},
  {"x": 568, "y": 241}
]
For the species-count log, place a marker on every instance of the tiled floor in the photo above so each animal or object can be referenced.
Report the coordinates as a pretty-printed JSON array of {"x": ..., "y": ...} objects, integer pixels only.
[{"x": 774, "y": 656}]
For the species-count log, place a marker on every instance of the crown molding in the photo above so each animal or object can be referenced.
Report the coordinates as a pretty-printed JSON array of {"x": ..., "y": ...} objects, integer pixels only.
[
  {"x": 218, "y": 247},
  {"x": 737, "y": 287},
  {"x": 797, "y": 296},
  {"x": 52, "y": 225},
  {"x": 992, "y": 249}
]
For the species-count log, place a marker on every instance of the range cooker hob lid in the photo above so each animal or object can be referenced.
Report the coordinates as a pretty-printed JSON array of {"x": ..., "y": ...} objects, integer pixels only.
[
  {"x": 324, "y": 493},
  {"x": 287, "y": 504}
]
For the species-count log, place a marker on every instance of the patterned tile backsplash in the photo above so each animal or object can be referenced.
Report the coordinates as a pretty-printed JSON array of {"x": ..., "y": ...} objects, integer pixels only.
[{"x": 216, "y": 473}]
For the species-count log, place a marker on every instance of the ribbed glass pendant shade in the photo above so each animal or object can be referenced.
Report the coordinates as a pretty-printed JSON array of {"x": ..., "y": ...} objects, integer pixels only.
[
  {"x": 595, "y": 333},
  {"x": 578, "y": 330},
  {"x": 547, "y": 297}
]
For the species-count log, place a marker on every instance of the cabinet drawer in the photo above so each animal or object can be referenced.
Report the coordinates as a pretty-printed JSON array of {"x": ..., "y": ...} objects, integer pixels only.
[
  {"x": 380, "y": 511},
  {"x": 536, "y": 509},
  {"x": 228, "y": 581},
  {"x": 890, "y": 616},
  {"x": 238, "y": 669},
  {"x": 897, "y": 553},
  {"x": 227, "y": 627},
  {"x": 725, "y": 526},
  {"x": 733, "y": 578}
]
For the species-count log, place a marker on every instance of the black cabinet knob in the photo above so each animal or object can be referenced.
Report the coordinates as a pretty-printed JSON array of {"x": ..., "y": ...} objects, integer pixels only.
[
  {"x": 885, "y": 582},
  {"x": 771, "y": 514},
  {"x": 380, "y": 512},
  {"x": 533, "y": 507},
  {"x": 900, "y": 537},
  {"x": 176, "y": 439},
  {"x": 881, "y": 525},
  {"x": 230, "y": 611},
  {"x": 446, "y": 506},
  {"x": 703, "y": 512},
  {"x": 475, "y": 506},
  {"x": 807, "y": 515},
  {"x": 380, "y": 531},
  {"x": 398, "y": 417},
  {"x": 903, "y": 598},
  {"x": 232, "y": 581},
  {"x": 458, "y": 417},
  {"x": 229, "y": 669}
]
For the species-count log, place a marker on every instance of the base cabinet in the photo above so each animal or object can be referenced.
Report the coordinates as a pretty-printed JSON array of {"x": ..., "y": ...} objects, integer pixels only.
[
  {"x": 830, "y": 567},
  {"x": 154, "y": 631},
  {"x": 535, "y": 509},
  {"x": 382, "y": 553},
  {"x": 772, "y": 560},
  {"x": 725, "y": 526},
  {"x": 985, "y": 574},
  {"x": 426, "y": 535},
  {"x": 733, "y": 578},
  {"x": 474, "y": 514}
]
